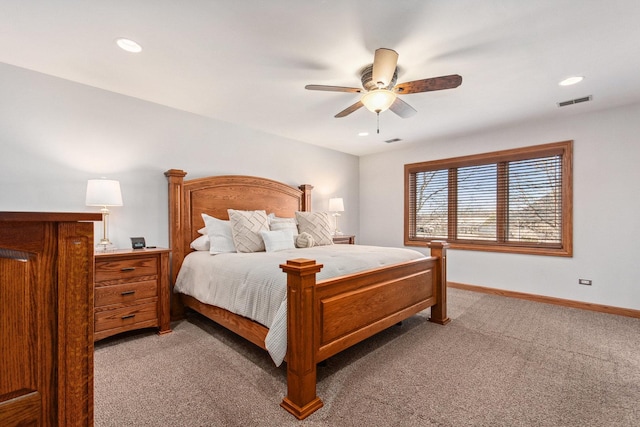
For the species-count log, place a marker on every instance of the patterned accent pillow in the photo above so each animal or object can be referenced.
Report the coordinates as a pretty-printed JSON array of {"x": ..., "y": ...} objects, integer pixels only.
[
  {"x": 304, "y": 240},
  {"x": 318, "y": 225},
  {"x": 245, "y": 229}
]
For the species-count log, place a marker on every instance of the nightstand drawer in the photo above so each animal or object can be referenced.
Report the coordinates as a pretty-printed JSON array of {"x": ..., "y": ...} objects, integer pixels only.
[
  {"x": 122, "y": 317},
  {"x": 126, "y": 268},
  {"x": 126, "y": 293}
]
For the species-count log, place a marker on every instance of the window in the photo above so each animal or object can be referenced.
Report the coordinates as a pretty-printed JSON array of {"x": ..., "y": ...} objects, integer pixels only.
[{"x": 516, "y": 200}]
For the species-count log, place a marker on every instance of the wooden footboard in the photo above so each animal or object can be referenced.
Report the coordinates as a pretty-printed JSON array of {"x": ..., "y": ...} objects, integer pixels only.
[{"x": 327, "y": 317}]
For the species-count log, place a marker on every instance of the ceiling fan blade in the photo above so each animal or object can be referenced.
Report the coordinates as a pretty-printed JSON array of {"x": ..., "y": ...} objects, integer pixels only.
[
  {"x": 428, "y": 85},
  {"x": 384, "y": 65},
  {"x": 333, "y": 88},
  {"x": 349, "y": 110},
  {"x": 402, "y": 109}
]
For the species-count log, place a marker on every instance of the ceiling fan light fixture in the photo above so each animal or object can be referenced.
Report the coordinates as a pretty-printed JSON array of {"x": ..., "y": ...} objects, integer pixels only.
[{"x": 378, "y": 100}]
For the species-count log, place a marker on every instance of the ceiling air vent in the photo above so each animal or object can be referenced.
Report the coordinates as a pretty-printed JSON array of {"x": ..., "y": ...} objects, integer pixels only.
[
  {"x": 575, "y": 101},
  {"x": 389, "y": 141}
]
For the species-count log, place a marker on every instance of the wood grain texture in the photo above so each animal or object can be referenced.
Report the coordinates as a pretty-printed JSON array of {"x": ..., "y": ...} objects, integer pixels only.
[
  {"x": 132, "y": 291},
  {"x": 323, "y": 318},
  {"x": 46, "y": 318},
  {"x": 430, "y": 84},
  {"x": 301, "y": 399}
]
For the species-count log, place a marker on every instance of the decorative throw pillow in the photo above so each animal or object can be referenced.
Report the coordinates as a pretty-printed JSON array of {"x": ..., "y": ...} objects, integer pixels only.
[
  {"x": 219, "y": 232},
  {"x": 202, "y": 243},
  {"x": 317, "y": 224},
  {"x": 276, "y": 223},
  {"x": 278, "y": 240},
  {"x": 304, "y": 240},
  {"x": 245, "y": 229}
]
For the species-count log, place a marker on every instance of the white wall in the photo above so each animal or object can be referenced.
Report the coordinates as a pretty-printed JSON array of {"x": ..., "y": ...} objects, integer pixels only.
[
  {"x": 55, "y": 134},
  {"x": 606, "y": 205}
]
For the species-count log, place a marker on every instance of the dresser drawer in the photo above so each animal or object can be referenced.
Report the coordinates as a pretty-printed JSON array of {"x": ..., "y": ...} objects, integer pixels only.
[
  {"x": 126, "y": 316},
  {"x": 125, "y": 268},
  {"x": 126, "y": 293}
]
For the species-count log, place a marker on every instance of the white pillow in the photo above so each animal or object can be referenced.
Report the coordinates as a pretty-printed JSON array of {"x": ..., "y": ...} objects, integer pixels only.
[
  {"x": 245, "y": 229},
  {"x": 202, "y": 243},
  {"x": 318, "y": 225},
  {"x": 276, "y": 223},
  {"x": 220, "y": 237},
  {"x": 278, "y": 240}
]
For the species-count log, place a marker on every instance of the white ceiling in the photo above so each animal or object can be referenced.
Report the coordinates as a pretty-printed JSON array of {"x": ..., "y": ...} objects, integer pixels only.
[{"x": 247, "y": 61}]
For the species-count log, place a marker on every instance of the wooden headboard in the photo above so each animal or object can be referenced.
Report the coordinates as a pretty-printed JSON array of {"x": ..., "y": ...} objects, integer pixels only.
[{"x": 214, "y": 195}]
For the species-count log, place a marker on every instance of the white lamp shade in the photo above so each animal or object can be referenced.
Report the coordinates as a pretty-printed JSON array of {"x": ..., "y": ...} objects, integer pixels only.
[
  {"x": 378, "y": 100},
  {"x": 103, "y": 192},
  {"x": 336, "y": 205}
]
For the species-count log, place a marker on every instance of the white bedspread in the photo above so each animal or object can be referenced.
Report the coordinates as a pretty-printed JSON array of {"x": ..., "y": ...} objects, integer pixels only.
[{"x": 259, "y": 292}]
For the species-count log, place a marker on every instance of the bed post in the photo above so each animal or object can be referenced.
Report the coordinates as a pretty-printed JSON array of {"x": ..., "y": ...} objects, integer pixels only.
[
  {"x": 301, "y": 399},
  {"x": 306, "y": 197},
  {"x": 176, "y": 231},
  {"x": 439, "y": 311}
]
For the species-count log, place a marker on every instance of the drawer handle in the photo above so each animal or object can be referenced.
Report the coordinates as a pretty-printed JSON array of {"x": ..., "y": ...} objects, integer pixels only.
[
  {"x": 127, "y": 293},
  {"x": 128, "y": 316},
  {"x": 127, "y": 269}
]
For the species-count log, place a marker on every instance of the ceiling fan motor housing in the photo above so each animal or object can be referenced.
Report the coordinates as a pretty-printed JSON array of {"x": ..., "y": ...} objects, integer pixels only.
[{"x": 368, "y": 83}]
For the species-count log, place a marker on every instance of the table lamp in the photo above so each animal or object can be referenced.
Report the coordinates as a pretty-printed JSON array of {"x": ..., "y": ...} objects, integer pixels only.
[{"x": 104, "y": 192}]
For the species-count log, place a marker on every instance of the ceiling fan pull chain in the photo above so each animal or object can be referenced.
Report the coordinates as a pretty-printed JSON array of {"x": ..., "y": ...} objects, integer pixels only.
[{"x": 378, "y": 121}]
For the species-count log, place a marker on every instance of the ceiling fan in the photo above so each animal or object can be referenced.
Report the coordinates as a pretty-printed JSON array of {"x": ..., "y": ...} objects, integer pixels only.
[{"x": 380, "y": 89}]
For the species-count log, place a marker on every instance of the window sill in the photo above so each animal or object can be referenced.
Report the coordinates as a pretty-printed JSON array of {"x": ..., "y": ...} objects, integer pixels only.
[{"x": 562, "y": 252}]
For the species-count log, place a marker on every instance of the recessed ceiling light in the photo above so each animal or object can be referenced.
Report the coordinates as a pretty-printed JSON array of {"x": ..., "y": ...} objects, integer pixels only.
[
  {"x": 363, "y": 134},
  {"x": 129, "y": 45},
  {"x": 571, "y": 80}
]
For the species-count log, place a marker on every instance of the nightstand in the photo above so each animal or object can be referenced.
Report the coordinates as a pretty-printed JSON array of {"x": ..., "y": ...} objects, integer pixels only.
[
  {"x": 344, "y": 239},
  {"x": 131, "y": 291}
]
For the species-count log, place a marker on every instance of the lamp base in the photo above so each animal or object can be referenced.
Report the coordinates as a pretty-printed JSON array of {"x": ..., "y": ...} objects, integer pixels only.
[
  {"x": 336, "y": 231},
  {"x": 105, "y": 246}
]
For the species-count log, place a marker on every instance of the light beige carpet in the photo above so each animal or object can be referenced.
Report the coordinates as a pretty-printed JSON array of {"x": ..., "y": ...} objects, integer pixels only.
[{"x": 500, "y": 362}]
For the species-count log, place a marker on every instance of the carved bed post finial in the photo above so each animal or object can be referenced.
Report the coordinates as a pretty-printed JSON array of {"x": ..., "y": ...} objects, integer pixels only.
[
  {"x": 301, "y": 399},
  {"x": 439, "y": 311}
]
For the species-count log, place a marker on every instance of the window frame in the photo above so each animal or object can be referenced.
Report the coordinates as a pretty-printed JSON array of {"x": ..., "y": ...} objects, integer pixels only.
[{"x": 563, "y": 148}]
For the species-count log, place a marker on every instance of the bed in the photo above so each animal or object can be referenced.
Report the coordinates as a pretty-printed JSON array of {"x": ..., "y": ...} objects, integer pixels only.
[{"x": 323, "y": 317}]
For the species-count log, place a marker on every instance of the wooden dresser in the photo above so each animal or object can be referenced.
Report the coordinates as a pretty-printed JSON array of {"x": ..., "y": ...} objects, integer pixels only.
[
  {"x": 46, "y": 318},
  {"x": 131, "y": 291}
]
